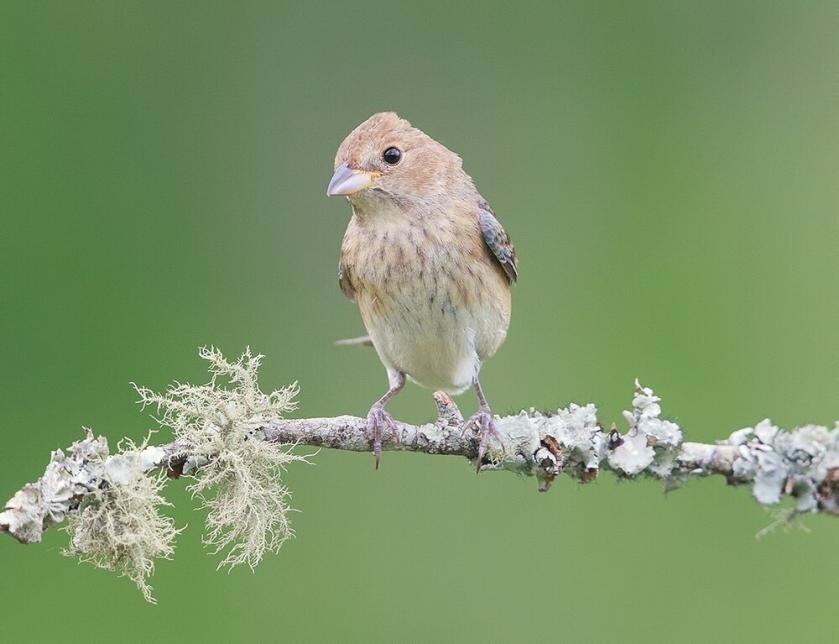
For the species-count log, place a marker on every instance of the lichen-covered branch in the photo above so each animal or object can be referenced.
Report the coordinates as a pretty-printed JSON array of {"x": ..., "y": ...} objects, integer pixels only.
[
  {"x": 234, "y": 443},
  {"x": 803, "y": 463}
]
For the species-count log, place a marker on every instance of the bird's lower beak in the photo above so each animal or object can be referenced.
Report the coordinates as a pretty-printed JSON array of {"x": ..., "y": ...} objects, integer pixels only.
[{"x": 347, "y": 181}]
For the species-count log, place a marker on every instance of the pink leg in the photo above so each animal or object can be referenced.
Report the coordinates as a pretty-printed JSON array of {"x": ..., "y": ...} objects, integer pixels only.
[
  {"x": 484, "y": 422},
  {"x": 378, "y": 419}
]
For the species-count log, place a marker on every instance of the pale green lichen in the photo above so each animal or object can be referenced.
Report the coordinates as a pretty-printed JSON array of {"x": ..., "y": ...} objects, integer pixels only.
[
  {"x": 119, "y": 525},
  {"x": 46, "y": 502},
  {"x": 24, "y": 514},
  {"x": 521, "y": 437},
  {"x": 779, "y": 462},
  {"x": 577, "y": 428},
  {"x": 651, "y": 443},
  {"x": 237, "y": 474},
  {"x": 633, "y": 455}
]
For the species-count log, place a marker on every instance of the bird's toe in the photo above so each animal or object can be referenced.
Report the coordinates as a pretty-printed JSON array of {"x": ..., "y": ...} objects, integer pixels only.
[
  {"x": 482, "y": 423},
  {"x": 379, "y": 420}
]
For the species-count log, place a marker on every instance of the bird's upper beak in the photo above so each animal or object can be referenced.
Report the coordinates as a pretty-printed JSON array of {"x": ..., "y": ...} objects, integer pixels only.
[{"x": 347, "y": 181}]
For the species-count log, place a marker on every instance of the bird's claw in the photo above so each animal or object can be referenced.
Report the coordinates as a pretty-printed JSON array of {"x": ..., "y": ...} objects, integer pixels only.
[
  {"x": 483, "y": 422},
  {"x": 377, "y": 420}
]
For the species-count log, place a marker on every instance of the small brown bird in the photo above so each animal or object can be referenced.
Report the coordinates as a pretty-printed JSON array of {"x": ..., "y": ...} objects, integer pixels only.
[{"x": 427, "y": 262}]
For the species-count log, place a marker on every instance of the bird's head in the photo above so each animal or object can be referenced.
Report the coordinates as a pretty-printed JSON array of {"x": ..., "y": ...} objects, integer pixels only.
[{"x": 386, "y": 159}]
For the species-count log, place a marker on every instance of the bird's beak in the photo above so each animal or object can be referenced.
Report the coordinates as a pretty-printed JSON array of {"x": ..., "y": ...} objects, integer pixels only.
[{"x": 347, "y": 181}]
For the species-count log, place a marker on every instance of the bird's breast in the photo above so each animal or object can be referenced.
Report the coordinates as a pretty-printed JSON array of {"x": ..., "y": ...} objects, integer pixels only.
[
  {"x": 431, "y": 300},
  {"x": 402, "y": 273}
]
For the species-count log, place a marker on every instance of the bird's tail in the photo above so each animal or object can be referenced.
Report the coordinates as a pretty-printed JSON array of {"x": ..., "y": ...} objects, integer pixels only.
[{"x": 362, "y": 340}]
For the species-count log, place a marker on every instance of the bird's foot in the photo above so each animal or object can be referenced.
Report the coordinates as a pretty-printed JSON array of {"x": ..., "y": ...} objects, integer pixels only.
[
  {"x": 377, "y": 421},
  {"x": 483, "y": 422}
]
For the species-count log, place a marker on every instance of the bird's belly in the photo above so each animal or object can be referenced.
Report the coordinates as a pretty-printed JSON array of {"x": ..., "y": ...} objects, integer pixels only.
[
  {"x": 435, "y": 331},
  {"x": 433, "y": 349}
]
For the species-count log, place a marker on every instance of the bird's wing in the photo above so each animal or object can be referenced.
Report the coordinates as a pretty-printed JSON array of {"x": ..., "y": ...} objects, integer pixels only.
[
  {"x": 498, "y": 241},
  {"x": 344, "y": 281}
]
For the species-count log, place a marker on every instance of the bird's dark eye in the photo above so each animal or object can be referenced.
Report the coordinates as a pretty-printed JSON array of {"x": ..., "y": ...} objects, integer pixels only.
[{"x": 392, "y": 155}]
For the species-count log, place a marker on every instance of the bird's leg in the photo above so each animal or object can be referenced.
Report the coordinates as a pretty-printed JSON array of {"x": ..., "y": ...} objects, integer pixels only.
[
  {"x": 378, "y": 418},
  {"x": 484, "y": 422}
]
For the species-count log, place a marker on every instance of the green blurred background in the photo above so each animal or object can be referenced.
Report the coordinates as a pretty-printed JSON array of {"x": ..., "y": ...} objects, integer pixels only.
[{"x": 668, "y": 172}]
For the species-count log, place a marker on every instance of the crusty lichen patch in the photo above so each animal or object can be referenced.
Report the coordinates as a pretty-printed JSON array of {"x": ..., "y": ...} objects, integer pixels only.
[
  {"x": 651, "y": 442},
  {"x": 237, "y": 474},
  {"x": 779, "y": 462}
]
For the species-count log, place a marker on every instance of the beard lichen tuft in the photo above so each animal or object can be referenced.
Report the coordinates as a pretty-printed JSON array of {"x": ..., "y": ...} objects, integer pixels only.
[
  {"x": 238, "y": 477},
  {"x": 119, "y": 526}
]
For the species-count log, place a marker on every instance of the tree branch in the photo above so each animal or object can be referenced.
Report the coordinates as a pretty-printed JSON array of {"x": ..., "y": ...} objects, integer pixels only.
[
  {"x": 803, "y": 464},
  {"x": 572, "y": 442},
  {"x": 236, "y": 443}
]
